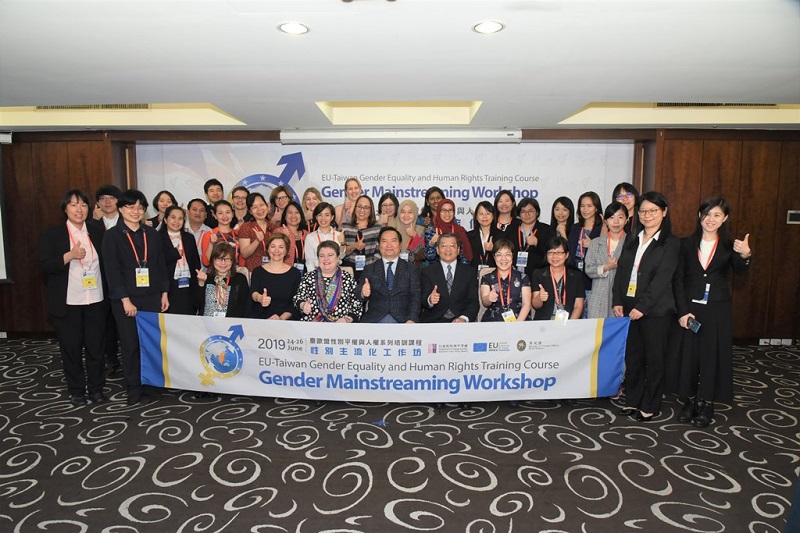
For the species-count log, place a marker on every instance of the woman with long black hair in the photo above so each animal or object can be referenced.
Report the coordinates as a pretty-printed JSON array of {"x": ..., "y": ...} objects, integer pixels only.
[
  {"x": 643, "y": 291},
  {"x": 705, "y": 363},
  {"x": 182, "y": 261}
]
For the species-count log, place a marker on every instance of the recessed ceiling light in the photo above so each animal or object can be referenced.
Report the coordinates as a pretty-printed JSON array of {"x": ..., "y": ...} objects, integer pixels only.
[
  {"x": 293, "y": 28},
  {"x": 486, "y": 27}
]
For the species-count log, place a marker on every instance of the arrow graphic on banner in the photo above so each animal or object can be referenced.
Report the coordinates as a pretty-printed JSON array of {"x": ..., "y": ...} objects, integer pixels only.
[
  {"x": 294, "y": 163},
  {"x": 237, "y": 332}
]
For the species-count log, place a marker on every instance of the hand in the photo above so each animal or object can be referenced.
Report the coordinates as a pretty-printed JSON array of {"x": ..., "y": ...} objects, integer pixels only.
[
  {"x": 149, "y": 222},
  {"x": 259, "y": 236},
  {"x": 434, "y": 297},
  {"x": 434, "y": 239},
  {"x": 532, "y": 240},
  {"x": 618, "y": 311},
  {"x": 493, "y": 295},
  {"x": 201, "y": 277},
  {"x": 265, "y": 299},
  {"x": 340, "y": 239},
  {"x": 543, "y": 296},
  {"x": 383, "y": 219},
  {"x": 78, "y": 252},
  {"x": 128, "y": 307},
  {"x": 561, "y": 228},
  {"x": 611, "y": 264},
  {"x": 427, "y": 221},
  {"x": 305, "y": 307},
  {"x": 97, "y": 214},
  {"x": 742, "y": 247},
  {"x": 411, "y": 232},
  {"x": 366, "y": 290},
  {"x": 274, "y": 317},
  {"x": 635, "y": 314},
  {"x": 488, "y": 245},
  {"x": 684, "y": 320},
  {"x": 164, "y": 302},
  {"x": 586, "y": 242},
  {"x": 343, "y": 320},
  {"x": 213, "y": 237},
  {"x": 458, "y": 320}
]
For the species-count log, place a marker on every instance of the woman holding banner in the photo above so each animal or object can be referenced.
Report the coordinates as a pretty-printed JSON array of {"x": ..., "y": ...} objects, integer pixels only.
[{"x": 328, "y": 293}]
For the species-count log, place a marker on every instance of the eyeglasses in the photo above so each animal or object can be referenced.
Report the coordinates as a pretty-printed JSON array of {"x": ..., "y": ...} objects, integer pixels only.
[
  {"x": 363, "y": 207},
  {"x": 240, "y": 197},
  {"x": 281, "y": 197},
  {"x": 224, "y": 259},
  {"x": 106, "y": 198},
  {"x": 624, "y": 196},
  {"x": 446, "y": 211},
  {"x": 552, "y": 252},
  {"x": 528, "y": 212},
  {"x": 648, "y": 212},
  {"x": 134, "y": 207}
]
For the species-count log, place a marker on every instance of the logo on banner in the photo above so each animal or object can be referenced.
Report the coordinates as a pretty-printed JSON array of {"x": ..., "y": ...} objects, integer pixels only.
[
  {"x": 521, "y": 345},
  {"x": 221, "y": 356},
  {"x": 265, "y": 183},
  {"x": 480, "y": 347}
]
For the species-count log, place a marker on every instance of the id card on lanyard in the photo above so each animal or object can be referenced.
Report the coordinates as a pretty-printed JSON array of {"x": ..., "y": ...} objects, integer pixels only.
[
  {"x": 142, "y": 273},
  {"x": 88, "y": 276}
]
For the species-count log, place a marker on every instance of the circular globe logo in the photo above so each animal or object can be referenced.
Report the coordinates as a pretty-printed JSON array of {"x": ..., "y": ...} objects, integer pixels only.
[{"x": 220, "y": 357}]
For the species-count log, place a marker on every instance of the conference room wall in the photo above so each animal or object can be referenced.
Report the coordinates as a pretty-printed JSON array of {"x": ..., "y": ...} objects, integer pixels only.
[{"x": 757, "y": 170}]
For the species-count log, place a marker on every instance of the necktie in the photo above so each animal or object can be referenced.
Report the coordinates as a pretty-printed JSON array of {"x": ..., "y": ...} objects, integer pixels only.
[
  {"x": 449, "y": 278},
  {"x": 390, "y": 275}
]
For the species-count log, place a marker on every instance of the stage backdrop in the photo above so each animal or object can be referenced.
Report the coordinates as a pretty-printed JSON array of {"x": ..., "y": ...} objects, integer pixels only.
[
  {"x": 384, "y": 362},
  {"x": 467, "y": 173}
]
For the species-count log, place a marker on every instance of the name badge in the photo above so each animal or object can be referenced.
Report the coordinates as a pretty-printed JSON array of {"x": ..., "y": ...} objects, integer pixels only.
[
  {"x": 89, "y": 280},
  {"x": 143, "y": 277},
  {"x": 264, "y": 260},
  {"x": 183, "y": 283},
  {"x": 704, "y": 301},
  {"x": 631, "y": 289},
  {"x": 509, "y": 316},
  {"x": 404, "y": 256},
  {"x": 219, "y": 314},
  {"x": 300, "y": 266},
  {"x": 522, "y": 259},
  {"x": 561, "y": 315},
  {"x": 579, "y": 264},
  {"x": 361, "y": 262}
]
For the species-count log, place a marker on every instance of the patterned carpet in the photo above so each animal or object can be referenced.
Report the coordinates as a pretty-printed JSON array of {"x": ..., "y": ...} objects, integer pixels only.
[{"x": 237, "y": 464}]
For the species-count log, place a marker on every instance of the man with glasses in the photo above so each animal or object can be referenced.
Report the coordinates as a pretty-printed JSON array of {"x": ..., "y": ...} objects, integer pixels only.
[
  {"x": 106, "y": 211},
  {"x": 449, "y": 288},
  {"x": 240, "y": 213}
]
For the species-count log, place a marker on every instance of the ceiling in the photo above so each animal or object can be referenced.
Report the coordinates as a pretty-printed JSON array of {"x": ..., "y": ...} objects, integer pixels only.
[{"x": 553, "y": 58}]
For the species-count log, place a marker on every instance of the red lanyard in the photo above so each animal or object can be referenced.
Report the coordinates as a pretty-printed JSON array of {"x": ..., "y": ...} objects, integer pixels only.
[
  {"x": 710, "y": 256},
  {"x": 500, "y": 286},
  {"x": 520, "y": 239},
  {"x": 75, "y": 242},
  {"x": 138, "y": 261},
  {"x": 560, "y": 299}
]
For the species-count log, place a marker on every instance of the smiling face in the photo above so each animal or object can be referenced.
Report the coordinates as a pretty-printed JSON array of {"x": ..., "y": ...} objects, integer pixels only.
[
  {"x": 277, "y": 250},
  {"x": 108, "y": 205},
  {"x": 651, "y": 216},
  {"x": 363, "y": 208},
  {"x": 223, "y": 264},
  {"x": 77, "y": 210},
  {"x": 240, "y": 200},
  {"x": 389, "y": 245},
  {"x": 352, "y": 189},
  {"x": 504, "y": 257},
  {"x": 528, "y": 215},
  {"x": 561, "y": 213},
  {"x": 324, "y": 219},
  {"x": 388, "y": 209},
  {"x": 197, "y": 213},
  {"x": 311, "y": 200},
  {"x": 588, "y": 210},
  {"x": 164, "y": 201},
  {"x": 433, "y": 200},
  {"x": 713, "y": 220},
  {"x": 447, "y": 213},
  {"x": 505, "y": 204},
  {"x": 448, "y": 249},
  {"x": 484, "y": 217},
  {"x": 282, "y": 200},
  {"x": 175, "y": 220},
  {"x": 328, "y": 260},
  {"x": 214, "y": 194},
  {"x": 616, "y": 222},
  {"x": 292, "y": 217},
  {"x": 132, "y": 214},
  {"x": 557, "y": 257},
  {"x": 259, "y": 209},
  {"x": 626, "y": 198},
  {"x": 224, "y": 215},
  {"x": 407, "y": 215}
]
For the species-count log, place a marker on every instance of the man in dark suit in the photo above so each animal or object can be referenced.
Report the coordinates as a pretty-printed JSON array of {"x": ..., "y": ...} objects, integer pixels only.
[
  {"x": 450, "y": 289},
  {"x": 390, "y": 287}
]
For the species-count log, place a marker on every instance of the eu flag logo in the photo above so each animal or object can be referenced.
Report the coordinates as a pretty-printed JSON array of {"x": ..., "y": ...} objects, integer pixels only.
[{"x": 480, "y": 347}]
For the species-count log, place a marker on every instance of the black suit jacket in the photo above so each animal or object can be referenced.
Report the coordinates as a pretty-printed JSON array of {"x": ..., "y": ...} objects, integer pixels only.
[
  {"x": 403, "y": 302},
  {"x": 478, "y": 256},
  {"x": 463, "y": 299},
  {"x": 172, "y": 255},
  {"x": 654, "y": 284},
  {"x": 54, "y": 244}
]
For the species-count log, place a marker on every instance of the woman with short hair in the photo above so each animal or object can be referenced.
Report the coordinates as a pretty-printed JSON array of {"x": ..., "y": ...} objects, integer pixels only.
[{"x": 273, "y": 285}]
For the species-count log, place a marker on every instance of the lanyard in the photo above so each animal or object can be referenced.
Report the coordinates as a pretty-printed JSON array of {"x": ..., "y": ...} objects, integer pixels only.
[
  {"x": 580, "y": 243},
  {"x": 500, "y": 286},
  {"x": 560, "y": 299},
  {"x": 710, "y": 256},
  {"x": 521, "y": 234},
  {"x": 319, "y": 236},
  {"x": 608, "y": 245},
  {"x": 484, "y": 257},
  {"x": 75, "y": 242},
  {"x": 135, "y": 253},
  {"x": 180, "y": 247}
]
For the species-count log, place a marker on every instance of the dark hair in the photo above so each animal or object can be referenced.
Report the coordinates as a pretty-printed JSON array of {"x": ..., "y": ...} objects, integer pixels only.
[
  {"x": 702, "y": 212},
  {"x": 525, "y": 202},
  {"x": 502, "y": 244},
  {"x": 612, "y": 208},
  {"x": 666, "y": 225},
  {"x": 513, "y": 202},
  {"x": 598, "y": 208},
  {"x": 486, "y": 204},
  {"x": 130, "y": 197},
  {"x": 627, "y": 187},
  {"x": 221, "y": 249},
  {"x": 193, "y": 200},
  {"x": 386, "y": 229},
  {"x": 240, "y": 188},
  {"x": 72, "y": 193},
  {"x": 566, "y": 202},
  {"x": 426, "y": 209},
  {"x": 276, "y": 191},
  {"x": 251, "y": 197},
  {"x": 558, "y": 242},
  {"x": 222, "y": 202},
  {"x": 449, "y": 235},
  {"x": 371, "y": 219},
  {"x": 393, "y": 198},
  {"x": 107, "y": 190},
  {"x": 158, "y": 195},
  {"x": 303, "y": 224},
  {"x": 167, "y": 211},
  {"x": 210, "y": 183},
  {"x": 323, "y": 206},
  {"x": 333, "y": 245}
]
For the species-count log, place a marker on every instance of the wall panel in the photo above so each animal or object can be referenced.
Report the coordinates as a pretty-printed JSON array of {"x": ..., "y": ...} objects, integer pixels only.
[{"x": 679, "y": 180}]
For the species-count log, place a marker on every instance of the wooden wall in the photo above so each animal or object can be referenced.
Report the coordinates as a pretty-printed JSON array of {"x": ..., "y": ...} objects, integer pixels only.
[{"x": 757, "y": 171}]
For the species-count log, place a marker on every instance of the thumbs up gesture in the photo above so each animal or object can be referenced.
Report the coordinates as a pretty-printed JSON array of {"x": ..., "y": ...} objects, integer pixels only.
[
  {"x": 201, "y": 277},
  {"x": 265, "y": 300},
  {"x": 742, "y": 247},
  {"x": 489, "y": 245},
  {"x": 434, "y": 296},
  {"x": 305, "y": 307},
  {"x": 543, "y": 296},
  {"x": 531, "y": 239},
  {"x": 78, "y": 252},
  {"x": 492, "y": 295},
  {"x": 366, "y": 290}
]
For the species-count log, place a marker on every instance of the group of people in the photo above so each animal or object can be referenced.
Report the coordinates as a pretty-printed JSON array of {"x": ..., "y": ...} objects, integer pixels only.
[{"x": 280, "y": 259}]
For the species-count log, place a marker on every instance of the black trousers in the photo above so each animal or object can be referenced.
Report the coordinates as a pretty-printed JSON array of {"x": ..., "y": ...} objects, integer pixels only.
[
  {"x": 645, "y": 353},
  {"x": 84, "y": 326},
  {"x": 129, "y": 339},
  {"x": 112, "y": 344}
]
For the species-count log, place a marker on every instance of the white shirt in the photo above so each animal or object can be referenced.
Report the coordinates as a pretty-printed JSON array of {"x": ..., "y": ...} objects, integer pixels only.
[
  {"x": 76, "y": 294},
  {"x": 111, "y": 222}
]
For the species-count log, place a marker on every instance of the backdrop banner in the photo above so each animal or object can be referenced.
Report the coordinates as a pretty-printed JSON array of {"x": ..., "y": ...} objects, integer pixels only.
[{"x": 384, "y": 362}]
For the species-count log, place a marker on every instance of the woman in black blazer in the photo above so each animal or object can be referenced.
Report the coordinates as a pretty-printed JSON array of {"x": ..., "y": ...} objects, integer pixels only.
[
  {"x": 643, "y": 292},
  {"x": 222, "y": 291},
  {"x": 70, "y": 255},
  {"x": 182, "y": 261},
  {"x": 483, "y": 235},
  {"x": 705, "y": 359}
]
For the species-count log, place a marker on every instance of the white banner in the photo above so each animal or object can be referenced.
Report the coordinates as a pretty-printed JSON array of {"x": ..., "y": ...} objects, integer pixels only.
[{"x": 384, "y": 362}]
